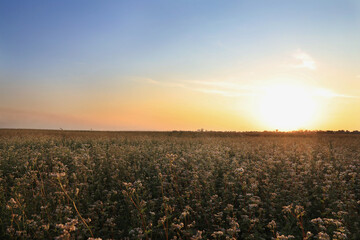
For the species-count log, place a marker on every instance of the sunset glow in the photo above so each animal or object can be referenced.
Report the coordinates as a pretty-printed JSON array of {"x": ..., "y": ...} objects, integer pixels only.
[
  {"x": 179, "y": 119},
  {"x": 287, "y": 108},
  {"x": 175, "y": 65}
]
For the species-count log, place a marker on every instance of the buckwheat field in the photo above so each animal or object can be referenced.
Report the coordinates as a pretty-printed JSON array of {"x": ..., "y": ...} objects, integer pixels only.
[{"x": 178, "y": 185}]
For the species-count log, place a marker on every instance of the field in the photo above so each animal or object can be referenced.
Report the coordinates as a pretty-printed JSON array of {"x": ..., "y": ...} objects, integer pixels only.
[{"x": 178, "y": 185}]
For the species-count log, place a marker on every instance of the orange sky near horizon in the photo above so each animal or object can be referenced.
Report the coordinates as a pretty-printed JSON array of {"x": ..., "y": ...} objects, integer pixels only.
[{"x": 174, "y": 65}]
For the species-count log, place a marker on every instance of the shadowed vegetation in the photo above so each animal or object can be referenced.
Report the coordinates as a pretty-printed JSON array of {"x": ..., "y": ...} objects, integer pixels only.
[{"x": 178, "y": 185}]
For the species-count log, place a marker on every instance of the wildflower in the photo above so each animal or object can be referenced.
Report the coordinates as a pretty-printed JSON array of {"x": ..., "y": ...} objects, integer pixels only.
[
  {"x": 299, "y": 210},
  {"x": 217, "y": 234},
  {"x": 177, "y": 226},
  {"x": 287, "y": 209},
  {"x": 197, "y": 236},
  {"x": 283, "y": 237},
  {"x": 272, "y": 225},
  {"x": 323, "y": 236},
  {"x": 229, "y": 207},
  {"x": 339, "y": 235},
  {"x": 12, "y": 201},
  {"x": 239, "y": 170},
  {"x": 45, "y": 226},
  {"x": 57, "y": 175},
  {"x": 317, "y": 221},
  {"x": 253, "y": 205}
]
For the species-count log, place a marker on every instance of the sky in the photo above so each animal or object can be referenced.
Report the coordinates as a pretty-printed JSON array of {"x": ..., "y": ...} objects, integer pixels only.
[{"x": 180, "y": 65}]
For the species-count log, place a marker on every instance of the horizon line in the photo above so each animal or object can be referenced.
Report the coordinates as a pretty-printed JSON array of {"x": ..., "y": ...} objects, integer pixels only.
[{"x": 190, "y": 131}]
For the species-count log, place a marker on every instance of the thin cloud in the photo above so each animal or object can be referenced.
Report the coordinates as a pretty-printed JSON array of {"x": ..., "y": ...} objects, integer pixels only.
[
  {"x": 321, "y": 92},
  {"x": 225, "y": 93},
  {"x": 166, "y": 84},
  {"x": 235, "y": 90},
  {"x": 228, "y": 89},
  {"x": 222, "y": 84},
  {"x": 211, "y": 91},
  {"x": 149, "y": 80},
  {"x": 303, "y": 60}
]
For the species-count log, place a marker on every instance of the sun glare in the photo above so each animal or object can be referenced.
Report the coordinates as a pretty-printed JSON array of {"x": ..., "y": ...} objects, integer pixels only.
[{"x": 287, "y": 107}]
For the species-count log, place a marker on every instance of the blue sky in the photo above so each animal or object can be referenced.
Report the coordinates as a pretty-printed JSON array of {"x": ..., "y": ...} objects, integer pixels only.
[{"x": 79, "y": 46}]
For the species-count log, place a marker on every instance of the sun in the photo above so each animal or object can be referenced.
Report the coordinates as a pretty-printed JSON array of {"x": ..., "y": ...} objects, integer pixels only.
[{"x": 287, "y": 107}]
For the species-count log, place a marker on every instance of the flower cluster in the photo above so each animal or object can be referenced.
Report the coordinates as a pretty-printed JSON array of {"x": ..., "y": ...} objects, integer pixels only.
[{"x": 93, "y": 185}]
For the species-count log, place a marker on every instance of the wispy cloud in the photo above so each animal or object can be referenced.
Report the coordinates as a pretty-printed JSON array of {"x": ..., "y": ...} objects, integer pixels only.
[
  {"x": 166, "y": 84},
  {"x": 303, "y": 60},
  {"x": 222, "y": 84},
  {"x": 228, "y": 89},
  {"x": 234, "y": 89},
  {"x": 358, "y": 76},
  {"x": 225, "y": 93},
  {"x": 321, "y": 92}
]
